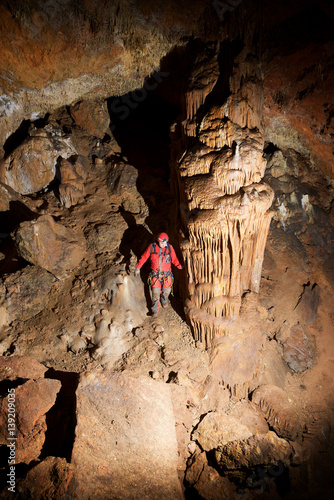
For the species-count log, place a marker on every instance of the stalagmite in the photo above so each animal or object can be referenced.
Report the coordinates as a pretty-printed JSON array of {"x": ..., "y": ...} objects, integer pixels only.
[{"x": 225, "y": 206}]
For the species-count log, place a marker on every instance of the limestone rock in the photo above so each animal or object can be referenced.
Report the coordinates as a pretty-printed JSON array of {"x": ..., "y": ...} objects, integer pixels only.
[
  {"x": 32, "y": 165},
  {"x": 48, "y": 479},
  {"x": 207, "y": 481},
  {"x": 25, "y": 293},
  {"x": 298, "y": 348},
  {"x": 308, "y": 306},
  {"x": 280, "y": 411},
  {"x": 122, "y": 183},
  {"x": 219, "y": 429},
  {"x": 72, "y": 177},
  {"x": 106, "y": 237},
  {"x": 183, "y": 422},
  {"x": 225, "y": 206},
  {"x": 50, "y": 245},
  {"x": 257, "y": 450},
  {"x": 33, "y": 399},
  {"x": 14, "y": 367},
  {"x": 246, "y": 412},
  {"x": 125, "y": 445},
  {"x": 236, "y": 361},
  {"x": 92, "y": 116},
  {"x": 7, "y": 194}
]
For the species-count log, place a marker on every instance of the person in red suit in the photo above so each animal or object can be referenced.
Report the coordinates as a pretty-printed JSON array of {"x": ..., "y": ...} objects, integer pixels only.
[{"x": 160, "y": 279}]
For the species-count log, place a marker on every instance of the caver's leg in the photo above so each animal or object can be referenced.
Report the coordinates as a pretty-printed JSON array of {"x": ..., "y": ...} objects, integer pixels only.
[
  {"x": 156, "y": 291},
  {"x": 167, "y": 288}
]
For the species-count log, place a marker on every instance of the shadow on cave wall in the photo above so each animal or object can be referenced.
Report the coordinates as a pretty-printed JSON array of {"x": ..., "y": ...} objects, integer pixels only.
[{"x": 140, "y": 122}]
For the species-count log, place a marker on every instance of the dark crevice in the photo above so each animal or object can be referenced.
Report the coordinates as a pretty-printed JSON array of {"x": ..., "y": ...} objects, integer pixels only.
[
  {"x": 5, "y": 385},
  {"x": 61, "y": 419},
  {"x": 21, "y": 134}
]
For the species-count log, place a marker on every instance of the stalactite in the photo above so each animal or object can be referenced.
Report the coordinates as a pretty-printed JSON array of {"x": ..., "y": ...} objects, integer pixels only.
[{"x": 225, "y": 205}]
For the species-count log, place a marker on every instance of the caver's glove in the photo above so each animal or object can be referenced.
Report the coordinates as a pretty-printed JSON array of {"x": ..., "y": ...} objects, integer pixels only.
[{"x": 137, "y": 272}]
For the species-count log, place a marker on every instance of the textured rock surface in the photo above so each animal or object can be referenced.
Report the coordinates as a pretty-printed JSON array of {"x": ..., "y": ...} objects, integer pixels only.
[
  {"x": 50, "y": 245},
  {"x": 106, "y": 237},
  {"x": 48, "y": 479},
  {"x": 116, "y": 453},
  {"x": 257, "y": 450},
  {"x": 92, "y": 116},
  {"x": 71, "y": 177},
  {"x": 225, "y": 226},
  {"x": 18, "y": 293},
  {"x": 217, "y": 429},
  {"x": 32, "y": 401},
  {"x": 85, "y": 50},
  {"x": 298, "y": 347},
  {"x": 14, "y": 367},
  {"x": 32, "y": 165},
  {"x": 280, "y": 411},
  {"x": 122, "y": 184}
]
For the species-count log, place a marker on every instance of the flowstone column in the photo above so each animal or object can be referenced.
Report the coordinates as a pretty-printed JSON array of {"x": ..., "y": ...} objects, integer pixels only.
[{"x": 218, "y": 168}]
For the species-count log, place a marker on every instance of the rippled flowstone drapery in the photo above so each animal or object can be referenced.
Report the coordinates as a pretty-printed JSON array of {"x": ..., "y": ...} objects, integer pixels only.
[{"x": 218, "y": 166}]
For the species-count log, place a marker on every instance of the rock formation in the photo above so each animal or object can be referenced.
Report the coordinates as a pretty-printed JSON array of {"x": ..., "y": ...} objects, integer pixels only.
[
  {"x": 120, "y": 120},
  {"x": 225, "y": 208}
]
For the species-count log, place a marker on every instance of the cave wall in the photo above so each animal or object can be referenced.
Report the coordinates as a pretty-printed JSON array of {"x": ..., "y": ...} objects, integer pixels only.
[{"x": 251, "y": 154}]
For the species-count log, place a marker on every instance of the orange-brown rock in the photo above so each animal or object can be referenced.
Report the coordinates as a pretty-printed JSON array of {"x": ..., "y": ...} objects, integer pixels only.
[
  {"x": 206, "y": 480},
  {"x": 257, "y": 450},
  {"x": 72, "y": 177},
  {"x": 24, "y": 367},
  {"x": 106, "y": 237},
  {"x": 280, "y": 411},
  {"x": 115, "y": 452},
  {"x": 50, "y": 245},
  {"x": 48, "y": 479},
  {"x": 122, "y": 185},
  {"x": 7, "y": 195},
  {"x": 92, "y": 116},
  {"x": 218, "y": 429},
  {"x": 32, "y": 165},
  {"x": 298, "y": 347},
  {"x": 18, "y": 297},
  {"x": 32, "y": 400}
]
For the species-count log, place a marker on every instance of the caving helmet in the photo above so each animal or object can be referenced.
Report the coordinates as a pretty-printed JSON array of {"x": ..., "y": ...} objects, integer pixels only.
[{"x": 163, "y": 237}]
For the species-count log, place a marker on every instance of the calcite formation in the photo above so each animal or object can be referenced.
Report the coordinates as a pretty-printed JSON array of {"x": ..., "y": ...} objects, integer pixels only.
[{"x": 225, "y": 207}]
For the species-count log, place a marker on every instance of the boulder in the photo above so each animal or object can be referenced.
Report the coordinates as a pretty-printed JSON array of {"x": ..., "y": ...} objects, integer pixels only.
[
  {"x": 7, "y": 195},
  {"x": 280, "y": 410},
  {"x": 256, "y": 450},
  {"x": 218, "y": 429},
  {"x": 125, "y": 444},
  {"x": 72, "y": 178},
  {"x": 297, "y": 346},
  {"x": 14, "y": 367},
  {"x": 24, "y": 294},
  {"x": 307, "y": 307},
  {"x": 32, "y": 165},
  {"x": 50, "y": 245},
  {"x": 106, "y": 237},
  {"x": 48, "y": 479},
  {"x": 207, "y": 481},
  {"x": 92, "y": 116},
  {"x": 32, "y": 401},
  {"x": 122, "y": 184}
]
